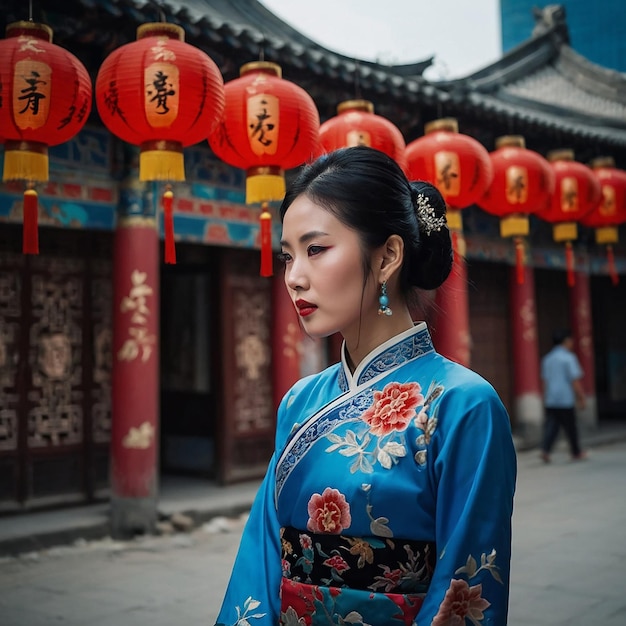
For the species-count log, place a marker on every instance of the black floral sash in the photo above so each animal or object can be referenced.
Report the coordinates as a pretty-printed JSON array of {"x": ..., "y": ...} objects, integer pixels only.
[{"x": 381, "y": 564}]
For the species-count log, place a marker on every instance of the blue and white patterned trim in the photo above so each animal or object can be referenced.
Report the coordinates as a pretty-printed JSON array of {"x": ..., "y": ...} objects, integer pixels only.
[
  {"x": 345, "y": 410},
  {"x": 401, "y": 349}
]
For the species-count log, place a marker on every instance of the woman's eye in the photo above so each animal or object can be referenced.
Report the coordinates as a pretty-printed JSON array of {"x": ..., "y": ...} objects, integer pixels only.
[
  {"x": 283, "y": 257},
  {"x": 313, "y": 250}
]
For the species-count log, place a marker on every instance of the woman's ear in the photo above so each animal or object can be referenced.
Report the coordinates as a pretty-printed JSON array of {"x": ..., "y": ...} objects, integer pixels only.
[{"x": 392, "y": 256}]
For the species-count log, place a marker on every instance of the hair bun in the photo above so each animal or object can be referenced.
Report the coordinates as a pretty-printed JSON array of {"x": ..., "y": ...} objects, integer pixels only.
[{"x": 432, "y": 261}]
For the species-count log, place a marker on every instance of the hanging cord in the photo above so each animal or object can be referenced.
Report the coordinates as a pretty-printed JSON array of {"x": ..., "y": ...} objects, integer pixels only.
[
  {"x": 159, "y": 8},
  {"x": 264, "y": 41},
  {"x": 357, "y": 84}
]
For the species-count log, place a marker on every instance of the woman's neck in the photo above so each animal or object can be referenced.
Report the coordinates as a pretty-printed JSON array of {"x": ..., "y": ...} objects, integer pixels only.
[{"x": 365, "y": 340}]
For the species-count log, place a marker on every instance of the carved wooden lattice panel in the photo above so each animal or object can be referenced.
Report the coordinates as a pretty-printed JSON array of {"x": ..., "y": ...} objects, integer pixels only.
[
  {"x": 10, "y": 313},
  {"x": 102, "y": 337},
  {"x": 249, "y": 419},
  {"x": 253, "y": 392},
  {"x": 54, "y": 391}
]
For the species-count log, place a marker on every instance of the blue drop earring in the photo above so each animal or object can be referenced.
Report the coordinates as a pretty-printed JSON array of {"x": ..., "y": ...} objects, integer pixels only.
[{"x": 383, "y": 300}]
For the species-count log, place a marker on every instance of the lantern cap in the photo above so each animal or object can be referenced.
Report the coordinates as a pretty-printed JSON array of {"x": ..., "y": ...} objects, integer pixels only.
[
  {"x": 450, "y": 124},
  {"x": 602, "y": 161},
  {"x": 266, "y": 67},
  {"x": 355, "y": 105},
  {"x": 164, "y": 29},
  {"x": 564, "y": 154},
  {"x": 34, "y": 29},
  {"x": 510, "y": 141}
]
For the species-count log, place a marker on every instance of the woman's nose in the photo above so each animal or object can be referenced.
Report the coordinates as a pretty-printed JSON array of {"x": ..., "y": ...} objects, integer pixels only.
[{"x": 295, "y": 277}]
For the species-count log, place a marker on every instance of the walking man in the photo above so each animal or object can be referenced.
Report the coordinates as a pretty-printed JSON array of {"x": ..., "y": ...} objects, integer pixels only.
[{"x": 563, "y": 392}]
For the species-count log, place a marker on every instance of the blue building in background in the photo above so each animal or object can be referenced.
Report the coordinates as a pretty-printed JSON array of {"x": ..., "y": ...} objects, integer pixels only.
[{"x": 597, "y": 29}]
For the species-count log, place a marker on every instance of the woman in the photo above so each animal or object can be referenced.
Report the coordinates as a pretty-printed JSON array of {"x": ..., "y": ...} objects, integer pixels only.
[{"x": 388, "y": 499}]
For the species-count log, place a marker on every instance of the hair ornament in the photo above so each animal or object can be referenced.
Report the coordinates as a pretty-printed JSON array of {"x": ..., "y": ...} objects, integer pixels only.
[{"x": 426, "y": 216}]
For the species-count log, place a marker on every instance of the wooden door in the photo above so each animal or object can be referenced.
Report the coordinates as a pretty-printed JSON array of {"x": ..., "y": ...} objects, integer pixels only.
[
  {"x": 247, "y": 419},
  {"x": 55, "y": 366}
]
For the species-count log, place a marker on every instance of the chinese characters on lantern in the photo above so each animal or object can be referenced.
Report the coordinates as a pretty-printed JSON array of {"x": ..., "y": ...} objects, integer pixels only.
[{"x": 263, "y": 129}]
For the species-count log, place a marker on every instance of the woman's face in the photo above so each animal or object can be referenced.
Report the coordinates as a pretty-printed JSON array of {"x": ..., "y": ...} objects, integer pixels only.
[{"x": 324, "y": 271}]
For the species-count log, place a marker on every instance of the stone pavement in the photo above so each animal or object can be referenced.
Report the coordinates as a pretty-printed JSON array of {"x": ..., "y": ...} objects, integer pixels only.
[
  {"x": 568, "y": 566},
  {"x": 197, "y": 498}
]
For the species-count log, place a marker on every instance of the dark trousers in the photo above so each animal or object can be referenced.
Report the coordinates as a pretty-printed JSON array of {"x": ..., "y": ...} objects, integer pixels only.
[{"x": 555, "y": 418}]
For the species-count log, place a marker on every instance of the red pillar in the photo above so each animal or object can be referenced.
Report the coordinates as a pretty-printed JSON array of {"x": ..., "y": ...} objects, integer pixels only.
[
  {"x": 451, "y": 334},
  {"x": 286, "y": 341},
  {"x": 527, "y": 389},
  {"x": 582, "y": 330},
  {"x": 135, "y": 377}
]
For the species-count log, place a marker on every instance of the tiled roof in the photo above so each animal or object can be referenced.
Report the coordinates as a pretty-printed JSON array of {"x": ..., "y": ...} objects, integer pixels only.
[
  {"x": 249, "y": 25},
  {"x": 542, "y": 82},
  {"x": 564, "y": 84}
]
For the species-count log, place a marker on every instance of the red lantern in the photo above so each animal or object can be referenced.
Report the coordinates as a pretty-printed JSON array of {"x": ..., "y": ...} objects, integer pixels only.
[
  {"x": 611, "y": 211},
  {"x": 161, "y": 94},
  {"x": 577, "y": 192},
  {"x": 269, "y": 125},
  {"x": 522, "y": 184},
  {"x": 458, "y": 165},
  {"x": 45, "y": 99},
  {"x": 356, "y": 124}
]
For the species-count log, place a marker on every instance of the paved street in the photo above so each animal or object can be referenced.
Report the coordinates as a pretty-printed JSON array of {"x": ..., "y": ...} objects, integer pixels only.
[{"x": 569, "y": 561}]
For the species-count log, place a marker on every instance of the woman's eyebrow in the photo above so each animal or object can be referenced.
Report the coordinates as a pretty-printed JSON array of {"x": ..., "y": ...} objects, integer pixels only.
[{"x": 306, "y": 237}]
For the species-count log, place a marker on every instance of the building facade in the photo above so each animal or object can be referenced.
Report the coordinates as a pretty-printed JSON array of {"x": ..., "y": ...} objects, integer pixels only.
[{"x": 224, "y": 342}]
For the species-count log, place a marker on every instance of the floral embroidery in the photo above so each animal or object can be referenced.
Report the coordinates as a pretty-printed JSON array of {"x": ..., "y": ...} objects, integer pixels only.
[
  {"x": 378, "y": 525},
  {"x": 331, "y": 605},
  {"x": 393, "y": 408},
  {"x": 290, "y": 618},
  {"x": 387, "y": 416},
  {"x": 415, "y": 573},
  {"x": 389, "y": 580},
  {"x": 461, "y": 602},
  {"x": 306, "y": 560},
  {"x": 427, "y": 424},
  {"x": 362, "y": 549},
  {"x": 287, "y": 547},
  {"x": 249, "y": 605},
  {"x": 487, "y": 562},
  {"x": 285, "y": 566},
  {"x": 328, "y": 512},
  {"x": 366, "y": 563},
  {"x": 337, "y": 563}
]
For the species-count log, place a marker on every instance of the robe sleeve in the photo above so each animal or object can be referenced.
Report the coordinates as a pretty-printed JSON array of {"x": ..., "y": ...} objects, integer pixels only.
[
  {"x": 473, "y": 471},
  {"x": 253, "y": 591}
]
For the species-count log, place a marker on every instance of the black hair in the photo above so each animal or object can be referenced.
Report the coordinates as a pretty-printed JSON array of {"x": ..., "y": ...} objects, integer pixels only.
[
  {"x": 368, "y": 192},
  {"x": 560, "y": 335}
]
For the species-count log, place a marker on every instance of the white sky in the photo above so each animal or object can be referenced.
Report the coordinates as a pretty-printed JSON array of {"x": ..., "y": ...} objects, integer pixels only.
[{"x": 462, "y": 35}]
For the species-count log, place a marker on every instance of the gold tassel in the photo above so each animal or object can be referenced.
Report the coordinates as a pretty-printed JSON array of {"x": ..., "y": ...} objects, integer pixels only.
[
  {"x": 161, "y": 160},
  {"x": 264, "y": 187},
  {"x": 25, "y": 165}
]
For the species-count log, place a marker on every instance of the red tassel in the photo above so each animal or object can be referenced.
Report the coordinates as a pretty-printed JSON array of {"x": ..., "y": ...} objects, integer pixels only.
[
  {"x": 168, "y": 225},
  {"x": 266, "y": 242},
  {"x": 30, "y": 232},
  {"x": 519, "y": 260},
  {"x": 612, "y": 271},
  {"x": 569, "y": 263}
]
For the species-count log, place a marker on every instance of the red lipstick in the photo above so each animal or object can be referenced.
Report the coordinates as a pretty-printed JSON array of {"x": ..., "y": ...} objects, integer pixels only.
[{"x": 305, "y": 308}]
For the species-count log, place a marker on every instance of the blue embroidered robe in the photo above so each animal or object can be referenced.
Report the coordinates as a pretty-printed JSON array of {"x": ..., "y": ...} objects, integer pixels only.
[{"x": 410, "y": 450}]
